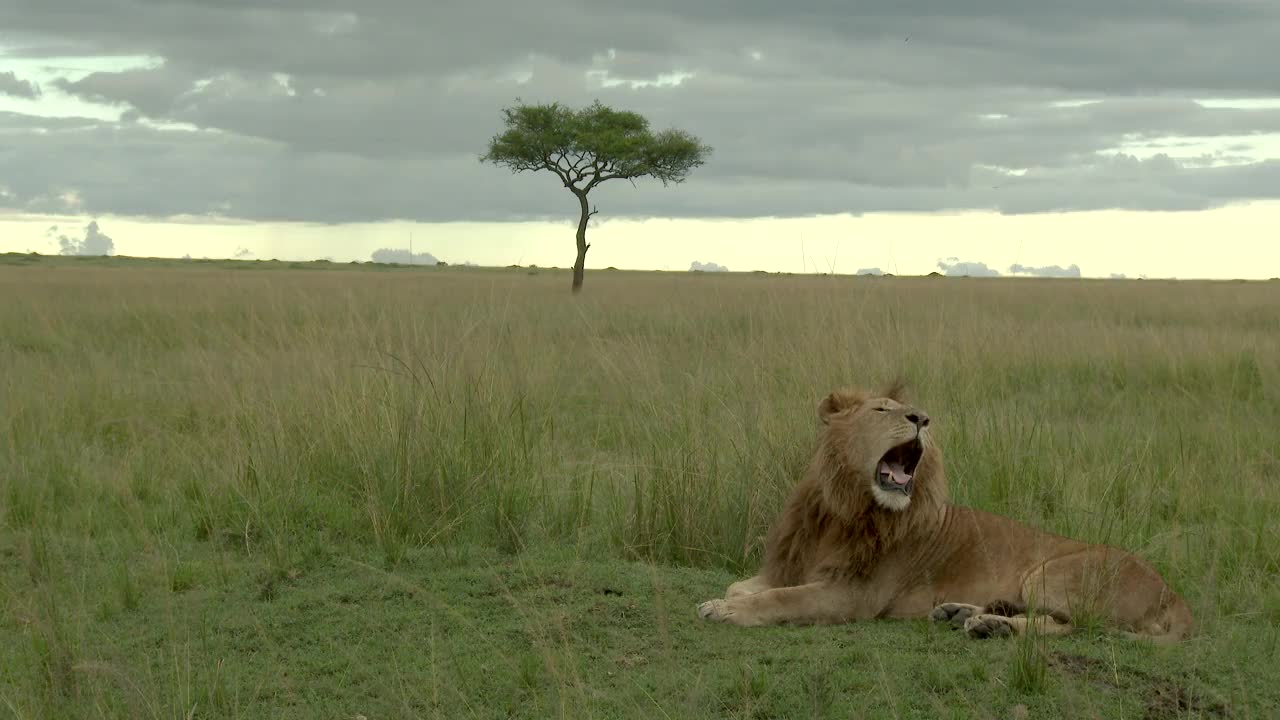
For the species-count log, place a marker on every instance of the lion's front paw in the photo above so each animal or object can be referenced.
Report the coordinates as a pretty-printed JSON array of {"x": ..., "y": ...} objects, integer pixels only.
[
  {"x": 954, "y": 614},
  {"x": 715, "y": 610},
  {"x": 981, "y": 627}
]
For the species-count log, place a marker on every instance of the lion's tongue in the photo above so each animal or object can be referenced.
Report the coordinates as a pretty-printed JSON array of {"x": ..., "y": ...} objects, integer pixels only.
[{"x": 896, "y": 471}]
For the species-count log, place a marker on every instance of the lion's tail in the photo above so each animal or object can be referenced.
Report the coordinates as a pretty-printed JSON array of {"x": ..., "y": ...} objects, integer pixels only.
[{"x": 1174, "y": 625}]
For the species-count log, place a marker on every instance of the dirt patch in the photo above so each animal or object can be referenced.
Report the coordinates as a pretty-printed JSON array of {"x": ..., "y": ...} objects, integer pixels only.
[
  {"x": 1098, "y": 671},
  {"x": 1173, "y": 700},
  {"x": 1163, "y": 697}
]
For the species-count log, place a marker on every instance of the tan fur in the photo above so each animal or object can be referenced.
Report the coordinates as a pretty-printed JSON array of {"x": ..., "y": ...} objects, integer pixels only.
[{"x": 838, "y": 553}]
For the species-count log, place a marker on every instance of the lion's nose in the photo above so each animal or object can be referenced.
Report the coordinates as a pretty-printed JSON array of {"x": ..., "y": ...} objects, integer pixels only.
[{"x": 918, "y": 419}]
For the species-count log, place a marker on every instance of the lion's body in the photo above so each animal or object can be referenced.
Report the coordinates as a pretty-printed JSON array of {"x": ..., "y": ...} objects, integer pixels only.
[{"x": 838, "y": 554}]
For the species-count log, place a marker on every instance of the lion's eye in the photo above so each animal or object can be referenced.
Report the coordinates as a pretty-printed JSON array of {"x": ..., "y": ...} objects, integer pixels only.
[{"x": 882, "y": 409}]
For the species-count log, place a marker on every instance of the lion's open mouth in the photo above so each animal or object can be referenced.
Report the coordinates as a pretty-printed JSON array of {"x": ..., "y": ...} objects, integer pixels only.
[{"x": 896, "y": 469}]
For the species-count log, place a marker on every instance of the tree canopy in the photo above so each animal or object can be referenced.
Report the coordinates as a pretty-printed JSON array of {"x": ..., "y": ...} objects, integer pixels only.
[{"x": 586, "y": 147}]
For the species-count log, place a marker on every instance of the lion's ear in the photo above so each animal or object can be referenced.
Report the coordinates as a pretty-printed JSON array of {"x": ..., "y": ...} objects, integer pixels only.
[
  {"x": 836, "y": 402},
  {"x": 896, "y": 390}
]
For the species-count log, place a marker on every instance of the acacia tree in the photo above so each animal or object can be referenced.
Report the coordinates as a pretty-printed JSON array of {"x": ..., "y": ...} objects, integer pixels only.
[{"x": 586, "y": 147}]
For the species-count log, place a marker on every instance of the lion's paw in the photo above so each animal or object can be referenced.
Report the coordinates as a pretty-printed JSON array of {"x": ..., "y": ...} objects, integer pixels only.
[
  {"x": 981, "y": 627},
  {"x": 715, "y": 610},
  {"x": 954, "y": 613}
]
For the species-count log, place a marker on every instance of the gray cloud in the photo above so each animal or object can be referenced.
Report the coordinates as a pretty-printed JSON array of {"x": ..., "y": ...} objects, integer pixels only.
[
  {"x": 402, "y": 257},
  {"x": 1057, "y": 271},
  {"x": 377, "y": 113},
  {"x": 707, "y": 267},
  {"x": 1094, "y": 45},
  {"x": 869, "y": 271},
  {"x": 94, "y": 242},
  {"x": 954, "y": 267},
  {"x": 140, "y": 170},
  {"x": 155, "y": 92},
  {"x": 11, "y": 84}
]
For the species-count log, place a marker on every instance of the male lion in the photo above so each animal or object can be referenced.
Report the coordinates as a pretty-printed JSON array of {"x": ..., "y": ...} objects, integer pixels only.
[{"x": 869, "y": 533}]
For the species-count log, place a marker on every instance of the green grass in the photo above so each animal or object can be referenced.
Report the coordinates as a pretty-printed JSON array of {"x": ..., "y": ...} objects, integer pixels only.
[{"x": 453, "y": 492}]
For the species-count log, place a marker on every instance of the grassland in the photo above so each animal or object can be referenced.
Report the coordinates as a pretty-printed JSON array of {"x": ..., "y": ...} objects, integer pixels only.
[{"x": 244, "y": 490}]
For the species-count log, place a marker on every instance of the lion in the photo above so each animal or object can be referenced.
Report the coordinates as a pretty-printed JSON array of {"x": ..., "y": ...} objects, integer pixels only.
[{"x": 869, "y": 533}]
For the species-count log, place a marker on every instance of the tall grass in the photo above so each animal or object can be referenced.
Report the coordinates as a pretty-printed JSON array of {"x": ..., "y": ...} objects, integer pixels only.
[{"x": 658, "y": 416}]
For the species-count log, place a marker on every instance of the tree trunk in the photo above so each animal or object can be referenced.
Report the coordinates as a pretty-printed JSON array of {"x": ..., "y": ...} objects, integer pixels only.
[{"x": 580, "y": 264}]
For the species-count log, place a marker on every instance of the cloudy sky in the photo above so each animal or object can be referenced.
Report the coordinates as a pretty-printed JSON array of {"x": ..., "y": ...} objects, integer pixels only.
[{"x": 1137, "y": 137}]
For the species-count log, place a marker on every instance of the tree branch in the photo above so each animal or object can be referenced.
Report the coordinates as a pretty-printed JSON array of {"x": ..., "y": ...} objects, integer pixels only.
[
  {"x": 601, "y": 178},
  {"x": 554, "y": 167}
]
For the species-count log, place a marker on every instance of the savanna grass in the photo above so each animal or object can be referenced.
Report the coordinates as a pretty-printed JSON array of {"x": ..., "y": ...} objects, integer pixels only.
[{"x": 172, "y": 429}]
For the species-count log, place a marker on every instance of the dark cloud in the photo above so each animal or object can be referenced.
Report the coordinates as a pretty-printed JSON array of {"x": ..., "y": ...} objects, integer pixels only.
[
  {"x": 869, "y": 271},
  {"x": 401, "y": 256},
  {"x": 1057, "y": 271},
  {"x": 308, "y": 111},
  {"x": 94, "y": 242},
  {"x": 1097, "y": 45},
  {"x": 707, "y": 267},
  {"x": 954, "y": 267},
  {"x": 11, "y": 84},
  {"x": 154, "y": 91}
]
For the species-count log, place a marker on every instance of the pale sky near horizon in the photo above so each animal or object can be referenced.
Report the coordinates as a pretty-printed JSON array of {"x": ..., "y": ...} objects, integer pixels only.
[
  {"x": 1187, "y": 245},
  {"x": 1119, "y": 137}
]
